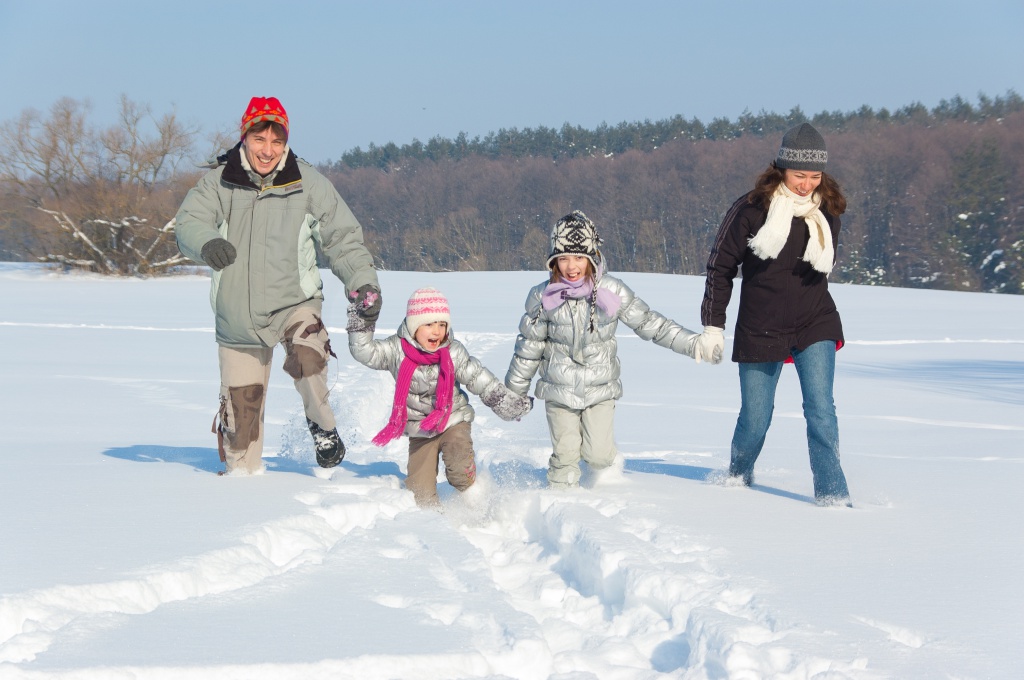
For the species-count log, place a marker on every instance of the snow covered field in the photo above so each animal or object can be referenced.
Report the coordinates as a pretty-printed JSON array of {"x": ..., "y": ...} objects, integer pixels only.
[{"x": 125, "y": 556}]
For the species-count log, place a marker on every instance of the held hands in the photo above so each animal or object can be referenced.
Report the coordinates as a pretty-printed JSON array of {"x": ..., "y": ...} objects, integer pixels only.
[
  {"x": 505, "y": 403},
  {"x": 710, "y": 345},
  {"x": 218, "y": 253},
  {"x": 357, "y": 323},
  {"x": 367, "y": 301}
]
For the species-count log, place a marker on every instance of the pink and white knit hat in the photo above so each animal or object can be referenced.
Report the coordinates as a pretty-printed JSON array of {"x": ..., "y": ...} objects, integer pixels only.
[{"x": 426, "y": 305}]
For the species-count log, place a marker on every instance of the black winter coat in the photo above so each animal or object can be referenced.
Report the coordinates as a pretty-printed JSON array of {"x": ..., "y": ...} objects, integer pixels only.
[{"x": 784, "y": 302}]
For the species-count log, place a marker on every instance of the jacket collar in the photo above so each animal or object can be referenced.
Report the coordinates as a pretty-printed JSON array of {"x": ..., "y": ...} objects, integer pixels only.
[{"x": 235, "y": 173}]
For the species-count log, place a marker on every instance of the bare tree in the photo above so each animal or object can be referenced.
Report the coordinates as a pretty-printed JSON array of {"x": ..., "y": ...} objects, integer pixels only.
[
  {"x": 100, "y": 200},
  {"x": 462, "y": 240}
]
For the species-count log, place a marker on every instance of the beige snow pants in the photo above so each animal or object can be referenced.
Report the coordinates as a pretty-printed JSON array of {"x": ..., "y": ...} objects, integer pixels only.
[
  {"x": 455, "y": 445},
  {"x": 576, "y": 434},
  {"x": 245, "y": 375}
]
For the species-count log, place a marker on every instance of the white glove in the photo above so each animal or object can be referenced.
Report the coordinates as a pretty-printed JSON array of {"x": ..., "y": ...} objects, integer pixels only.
[{"x": 710, "y": 345}]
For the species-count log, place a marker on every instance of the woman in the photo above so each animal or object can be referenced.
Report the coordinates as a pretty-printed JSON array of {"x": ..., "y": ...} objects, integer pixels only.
[{"x": 784, "y": 235}]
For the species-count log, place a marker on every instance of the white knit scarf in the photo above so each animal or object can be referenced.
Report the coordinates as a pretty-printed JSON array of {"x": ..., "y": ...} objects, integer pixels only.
[{"x": 785, "y": 205}]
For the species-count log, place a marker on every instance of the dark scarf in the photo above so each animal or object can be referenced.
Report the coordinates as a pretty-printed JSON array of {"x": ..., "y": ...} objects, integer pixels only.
[{"x": 235, "y": 173}]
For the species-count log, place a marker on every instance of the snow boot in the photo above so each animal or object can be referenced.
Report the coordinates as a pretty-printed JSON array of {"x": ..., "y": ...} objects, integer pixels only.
[{"x": 329, "y": 448}]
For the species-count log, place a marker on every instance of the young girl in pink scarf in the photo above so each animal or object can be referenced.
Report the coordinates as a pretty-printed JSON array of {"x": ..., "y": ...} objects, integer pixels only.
[{"x": 430, "y": 405}]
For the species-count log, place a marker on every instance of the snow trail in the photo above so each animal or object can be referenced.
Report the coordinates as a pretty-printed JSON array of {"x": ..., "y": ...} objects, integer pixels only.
[
  {"x": 650, "y": 572},
  {"x": 562, "y": 582},
  {"x": 29, "y": 621}
]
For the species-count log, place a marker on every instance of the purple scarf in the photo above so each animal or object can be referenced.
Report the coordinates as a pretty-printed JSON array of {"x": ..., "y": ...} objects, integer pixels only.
[
  {"x": 558, "y": 292},
  {"x": 438, "y": 418}
]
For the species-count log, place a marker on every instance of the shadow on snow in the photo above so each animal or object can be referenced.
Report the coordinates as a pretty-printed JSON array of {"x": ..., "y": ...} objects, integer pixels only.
[
  {"x": 698, "y": 473},
  {"x": 207, "y": 460},
  {"x": 1001, "y": 381},
  {"x": 514, "y": 474}
]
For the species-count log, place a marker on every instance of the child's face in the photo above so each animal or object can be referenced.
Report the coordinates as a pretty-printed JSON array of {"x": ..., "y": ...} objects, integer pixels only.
[
  {"x": 431, "y": 335},
  {"x": 572, "y": 267}
]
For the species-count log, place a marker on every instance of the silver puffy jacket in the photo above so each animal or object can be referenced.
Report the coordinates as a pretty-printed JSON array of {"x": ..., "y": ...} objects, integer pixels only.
[
  {"x": 387, "y": 355},
  {"x": 579, "y": 367}
]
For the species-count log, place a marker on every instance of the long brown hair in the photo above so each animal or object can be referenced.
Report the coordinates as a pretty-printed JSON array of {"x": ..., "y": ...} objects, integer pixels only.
[{"x": 833, "y": 201}]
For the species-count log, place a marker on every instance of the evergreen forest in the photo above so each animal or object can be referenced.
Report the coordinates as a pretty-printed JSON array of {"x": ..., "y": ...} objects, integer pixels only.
[{"x": 936, "y": 196}]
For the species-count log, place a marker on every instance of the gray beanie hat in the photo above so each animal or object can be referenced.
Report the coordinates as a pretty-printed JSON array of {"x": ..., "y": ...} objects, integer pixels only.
[
  {"x": 575, "y": 234},
  {"x": 803, "y": 148}
]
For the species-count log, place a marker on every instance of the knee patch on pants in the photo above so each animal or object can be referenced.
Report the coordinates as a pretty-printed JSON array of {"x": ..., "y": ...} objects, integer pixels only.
[
  {"x": 240, "y": 413},
  {"x": 306, "y": 347},
  {"x": 460, "y": 474},
  {"x": 459, "y": 458}
]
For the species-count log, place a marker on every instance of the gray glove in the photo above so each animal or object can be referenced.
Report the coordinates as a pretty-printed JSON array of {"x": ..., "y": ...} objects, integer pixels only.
[
  {"x": 367, "y": 302},
  {"x": 358, "y": 323},
  {"x": 218, "y": 253},
  {"x": 505, "y": 403}
]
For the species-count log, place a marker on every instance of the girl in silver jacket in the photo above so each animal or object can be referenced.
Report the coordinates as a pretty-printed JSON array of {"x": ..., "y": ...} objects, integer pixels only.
[
  {"x": 568, "y": 335},
  {"x": 430, "y": 406}
]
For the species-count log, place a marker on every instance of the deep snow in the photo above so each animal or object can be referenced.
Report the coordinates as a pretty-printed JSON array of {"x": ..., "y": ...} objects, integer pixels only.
[{"x": 124, "y": 556}]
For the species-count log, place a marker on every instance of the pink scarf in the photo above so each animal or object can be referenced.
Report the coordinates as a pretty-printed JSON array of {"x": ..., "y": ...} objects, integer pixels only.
[{"x": 438, "y": 418}]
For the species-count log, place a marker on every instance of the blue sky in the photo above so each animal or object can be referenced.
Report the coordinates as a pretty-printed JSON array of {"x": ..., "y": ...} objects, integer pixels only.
[{"x": 354, "y": 73}]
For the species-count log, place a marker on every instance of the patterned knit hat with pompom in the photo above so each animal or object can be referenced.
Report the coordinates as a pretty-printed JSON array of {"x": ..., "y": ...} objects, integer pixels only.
[{"x": 575, "y": 234}]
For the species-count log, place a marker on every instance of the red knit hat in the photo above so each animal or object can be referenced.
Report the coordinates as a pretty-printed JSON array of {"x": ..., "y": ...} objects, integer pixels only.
[{"x": 263, "y": 108}]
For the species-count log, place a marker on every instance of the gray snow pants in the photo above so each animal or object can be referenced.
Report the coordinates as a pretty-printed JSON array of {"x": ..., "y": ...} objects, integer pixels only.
[{"x": 579, "y": 433}]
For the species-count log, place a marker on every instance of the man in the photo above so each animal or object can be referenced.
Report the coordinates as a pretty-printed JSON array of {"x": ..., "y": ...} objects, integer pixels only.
[{"x": 255, "y": 219}]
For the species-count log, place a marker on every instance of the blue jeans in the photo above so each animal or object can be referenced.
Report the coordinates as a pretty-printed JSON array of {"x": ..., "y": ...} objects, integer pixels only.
[{"x": 816, "y": 368}]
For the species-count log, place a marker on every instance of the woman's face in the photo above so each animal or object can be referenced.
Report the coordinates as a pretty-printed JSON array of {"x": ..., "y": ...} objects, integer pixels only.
[
  {"x": 572, "y": 268},
  {"x": 802, "y": 182},
  {"x": 431, "y": 335}
]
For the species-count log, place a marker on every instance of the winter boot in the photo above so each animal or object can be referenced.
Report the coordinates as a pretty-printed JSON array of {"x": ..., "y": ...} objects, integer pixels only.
[{"x": 329, "y": 448}]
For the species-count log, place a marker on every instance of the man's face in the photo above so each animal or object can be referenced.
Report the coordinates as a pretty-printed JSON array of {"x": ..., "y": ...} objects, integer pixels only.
[{"x": 263, "y": 150}]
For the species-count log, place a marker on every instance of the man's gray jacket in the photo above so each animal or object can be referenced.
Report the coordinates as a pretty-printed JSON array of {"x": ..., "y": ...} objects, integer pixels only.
[{"x": 274, "y": 224}]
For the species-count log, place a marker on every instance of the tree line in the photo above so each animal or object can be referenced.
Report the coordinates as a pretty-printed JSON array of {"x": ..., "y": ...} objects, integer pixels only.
[
  {"x": 936, "y": 197},
  {"x": 571, "y": 141}
]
